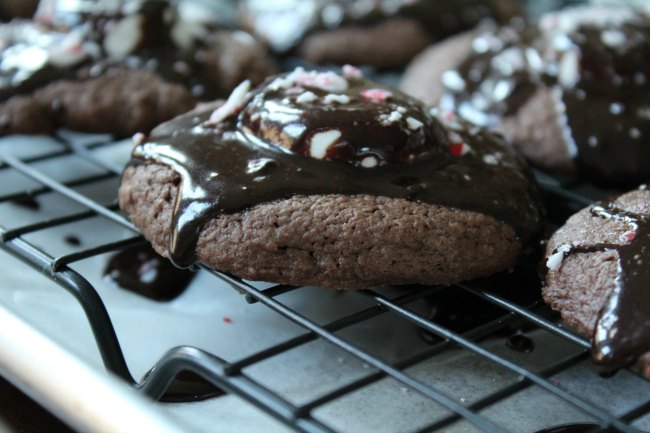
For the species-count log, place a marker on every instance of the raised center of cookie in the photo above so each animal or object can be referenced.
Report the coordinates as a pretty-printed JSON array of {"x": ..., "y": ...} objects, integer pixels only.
[{"x": 342, "y": 118}]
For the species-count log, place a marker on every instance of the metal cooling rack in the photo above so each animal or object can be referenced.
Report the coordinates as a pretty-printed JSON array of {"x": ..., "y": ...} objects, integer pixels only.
[{"x": 530, "y": 312}]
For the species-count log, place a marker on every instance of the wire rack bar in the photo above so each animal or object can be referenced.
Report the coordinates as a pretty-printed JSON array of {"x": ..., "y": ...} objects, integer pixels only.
[
  {"x": 418, "y": 386},
  {"x": 91, "y": 304},
  {"x": 219, "y": 373},
  {"x": 68, "y": 192},
  {"x": 587, "y": 407}
]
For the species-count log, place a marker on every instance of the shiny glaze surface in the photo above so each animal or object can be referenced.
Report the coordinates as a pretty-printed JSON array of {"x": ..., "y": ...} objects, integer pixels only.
[{"x": 226, "y": 167}]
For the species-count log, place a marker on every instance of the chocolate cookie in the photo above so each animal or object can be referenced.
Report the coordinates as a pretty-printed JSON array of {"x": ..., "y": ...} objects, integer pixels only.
[
  {"x": 570, "y": 93},
  {"x": 93, "y": 39},
  {"x": 330, "y": 180},
  {"x": 597, "y": 279},
  {"x": 97, "y": 105},
  {"x": 385, "y": 34}
]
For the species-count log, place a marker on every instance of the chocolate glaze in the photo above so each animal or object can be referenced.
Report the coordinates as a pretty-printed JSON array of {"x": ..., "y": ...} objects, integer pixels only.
[
  {"x": 571, "y": 428},
  {"x": 598, "y": 70},
  {"x": 622, "y": 335},
  {"x": 520, "y": 342},
  {"x": 140, "y": 270},
  {"x": 188, "y": 386},
  {"x": 227, "y": 168}
]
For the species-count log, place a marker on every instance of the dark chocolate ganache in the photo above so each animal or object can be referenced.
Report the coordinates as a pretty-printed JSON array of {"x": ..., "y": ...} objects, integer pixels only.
[
  {"x": 283, "y": 24},
  {"x": 141, "y": 270},
  {"x": 595, "y": 61},
  {"x": 308, "y": 133},
  {"x": 622, "y": 333},
  {"x": 571, "y": 428},
  {"x": 81, "y": 39}
]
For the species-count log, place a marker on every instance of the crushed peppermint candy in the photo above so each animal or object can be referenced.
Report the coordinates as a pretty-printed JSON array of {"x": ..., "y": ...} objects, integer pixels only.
[
  {"x": 376, "y": 95},
  {"x": 628, "y": 236},
  {"x": 459, "y": 148},
  {"x": 340, "y": 99},
  {"x": 413, "y": 123},
  {"x": 491, "y": 159},
  {"x": 352, "y": 73},
  {"x": 328, "y": 81},
  {"x": 233, "y": 105},
  {"x": 554, "y": 261},
  {"x": 369, "y": 162},
  {"x": 306, "y": 97},
  {"x": 387, "y": 119},
  {"x": 138, "y": 138},
  {"x": 294, "y": 90},
  {"x": 321, "y": 141}
]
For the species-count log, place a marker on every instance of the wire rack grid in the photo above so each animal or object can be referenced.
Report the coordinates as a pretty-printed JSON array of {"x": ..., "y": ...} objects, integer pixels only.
[{"x": 231, "y": 377}]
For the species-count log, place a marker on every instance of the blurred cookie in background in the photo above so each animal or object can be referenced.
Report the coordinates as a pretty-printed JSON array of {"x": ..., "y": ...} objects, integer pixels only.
[
  {"x": 571, "y": 93},
  {"x": 385, "y": 34}
]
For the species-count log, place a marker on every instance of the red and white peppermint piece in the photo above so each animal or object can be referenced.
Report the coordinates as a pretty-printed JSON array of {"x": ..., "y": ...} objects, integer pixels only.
[
  {"x": 352, "y": 73},
  {"x": 321, "y": 142},
  {"x": 459, "y": 149},
  {"x": 233, "y": 105},
  {"x": 376, "y": 95}
]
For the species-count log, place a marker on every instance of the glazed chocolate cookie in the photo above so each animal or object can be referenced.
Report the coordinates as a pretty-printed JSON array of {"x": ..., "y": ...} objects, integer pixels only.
[
  {"x": 97, "y": 39},
  {"x": 570, "y": 93},
  {"x": 597, "y": 279},
  {"x": 330, "y": 180},
  {"x": 383, "y": 34}
]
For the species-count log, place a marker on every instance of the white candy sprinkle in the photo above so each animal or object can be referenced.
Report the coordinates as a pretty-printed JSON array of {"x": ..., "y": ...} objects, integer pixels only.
[
  {"x": 321, "y": 141},
  {"x": 387, "y": 119},
  {"x": 490, "y": 159},
  {"x": 616, "y": 108},
  {"x": 321, "y": 80},
  {"x": 352, "y": 73},
  {"x": 554, "y": 262},
  {"x": 569, "y": 68},
  {"x": 138, "y": 138},
  {"x": 635, "y": 133},
  {"x": 332, "y": 98},
  {"x": 124, "y": 37},
  {"x": 369, "y": 162},
  {"x": 234, "y": 103},
  {"x": 413, "y": 123},
  {"x": 308, "y": 96},
  {"x": 453, "y": 81},
  {"x": 612, "y": 38}
]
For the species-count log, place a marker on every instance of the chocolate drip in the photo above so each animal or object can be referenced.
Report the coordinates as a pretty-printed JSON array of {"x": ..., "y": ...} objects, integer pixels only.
[
  {"x": 599, "y": 75},
  {"x": 225, "y": 169},
  {"x": 621, "y": 335},
  {"x": 571, "y": 428},
  {"x": 188, "y": 386},
  {"x": 141, "y": 270},
  {"x": 521, "y": 343}
]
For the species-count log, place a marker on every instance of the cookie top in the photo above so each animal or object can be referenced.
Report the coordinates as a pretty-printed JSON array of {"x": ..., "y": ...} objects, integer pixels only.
[
  {"x": 618, "y": 230},
  {"x": 283, "y": 24},
  {"x": 594, "y": 61},
  {"x": 313, "y": 133},
  {"x": 82, "y": 39}
]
